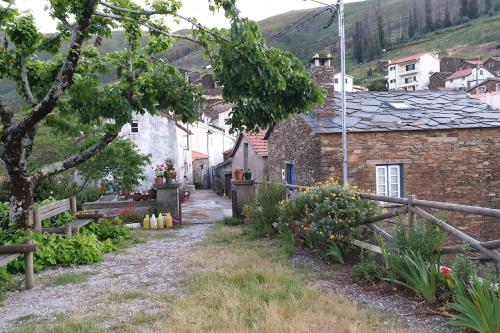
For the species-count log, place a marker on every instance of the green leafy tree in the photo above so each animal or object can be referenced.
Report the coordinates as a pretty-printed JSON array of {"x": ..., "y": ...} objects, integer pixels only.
[
  {"x": 265, "y": 84},
  {"x": 121, "y": 160}
]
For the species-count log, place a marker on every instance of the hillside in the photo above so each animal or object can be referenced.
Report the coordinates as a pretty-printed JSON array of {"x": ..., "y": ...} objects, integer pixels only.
[{"x": 474, "y": 38}]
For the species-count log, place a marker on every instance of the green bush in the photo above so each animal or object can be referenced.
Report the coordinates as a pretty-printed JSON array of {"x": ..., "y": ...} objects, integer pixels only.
[
  {"x": 4, "y": 215},
  {"x": 324, "y": 215},
  {"x": 107, "y": 229},
  {"x": 367, "y": 272},
  {"x": 232, "y": 221},
  {"x": 463, "y": 269},
  {"x": 88, "y": 194},
  {"x": 477, "y": 306},
  {"x": 59, "y": 220},
  {"x": 425, "y": 239}
]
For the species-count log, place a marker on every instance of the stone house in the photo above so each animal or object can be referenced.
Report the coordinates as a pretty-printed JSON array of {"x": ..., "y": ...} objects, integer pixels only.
[
  {"x": 489, "y": 85},
  {"x": 437, "y": 80},
  {"x": 442, "y": 146},
  {"x": 250, "y": 152}
]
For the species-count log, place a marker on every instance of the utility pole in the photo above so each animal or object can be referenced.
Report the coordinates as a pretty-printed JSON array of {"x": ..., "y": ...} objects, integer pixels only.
[{"x": 339, "y": 9}]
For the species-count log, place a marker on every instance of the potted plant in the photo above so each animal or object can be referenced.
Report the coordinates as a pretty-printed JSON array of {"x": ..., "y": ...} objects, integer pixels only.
[
  {"x": 169, "y": 171},
  {"x": 238, "y": 174},
  {"x": 248, "y": 174},
  {"x": 137, "y": 196},
  {"x": 159, "y": 170}
]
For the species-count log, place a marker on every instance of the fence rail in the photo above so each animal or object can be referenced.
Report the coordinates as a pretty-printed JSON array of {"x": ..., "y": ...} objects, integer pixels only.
[{"x": 413, "y": 207}]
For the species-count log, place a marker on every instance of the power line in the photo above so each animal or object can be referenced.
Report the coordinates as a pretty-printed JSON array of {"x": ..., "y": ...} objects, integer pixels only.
[{"x": 304, "y": 19}]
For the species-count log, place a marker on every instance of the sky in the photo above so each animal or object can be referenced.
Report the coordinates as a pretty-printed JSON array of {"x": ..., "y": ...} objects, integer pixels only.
[{"x": 253, "y": 9}]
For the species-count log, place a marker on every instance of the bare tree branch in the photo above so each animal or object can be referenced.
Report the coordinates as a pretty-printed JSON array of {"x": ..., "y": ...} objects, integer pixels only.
[
  {"x": 26, "y": 83},
  {"x": 47, "y": 104},
  {"x": 76, "y": 159}
]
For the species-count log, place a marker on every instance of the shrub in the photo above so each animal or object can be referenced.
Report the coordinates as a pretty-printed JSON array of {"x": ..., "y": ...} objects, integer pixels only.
[
  {"x": 425, "y": 239},
  {"x": 325, "y": 214},
  {"x": 232, "y": 221},
  {"x": 367, "y": 272},
  {"x": 417, "y": 274},
  {"x": 88, "y": 194},
  {"x": 463, "y": 269},
  {"x": 59, "y": 220},
  {"x": 477, "y": 306},
  {"x": 107, "y": 229}
]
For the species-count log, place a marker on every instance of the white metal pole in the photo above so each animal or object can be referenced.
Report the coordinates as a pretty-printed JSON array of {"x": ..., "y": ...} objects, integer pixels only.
[{"x": 345, "y": 173}]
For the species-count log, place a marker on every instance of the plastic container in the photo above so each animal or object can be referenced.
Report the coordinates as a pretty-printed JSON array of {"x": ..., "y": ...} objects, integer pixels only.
[
  {"x": 160, "y": 221},
  {"x": 145, "y": 223},
  {"x": 153, "y": 222},
  {"x": 169, "y": 223}
]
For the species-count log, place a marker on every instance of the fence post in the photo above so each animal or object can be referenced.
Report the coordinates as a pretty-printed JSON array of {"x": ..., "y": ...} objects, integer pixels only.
[
  {"x": 37, "y": 221},
  {"x": 29, "y": 275},
  {"x": 72, "y": 204},
  {"x": 68, "y": 231},
  {"x": 411, "y": 214}
]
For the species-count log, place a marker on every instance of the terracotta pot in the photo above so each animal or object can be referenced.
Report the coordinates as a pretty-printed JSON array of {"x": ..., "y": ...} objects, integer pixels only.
[
  {"x": 137, "y": 196},
  {"x": 159, "y": 181},
  {"x": 238, "y": 174}
]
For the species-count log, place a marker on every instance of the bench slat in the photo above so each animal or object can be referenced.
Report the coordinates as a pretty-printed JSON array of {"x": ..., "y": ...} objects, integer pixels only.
[
  {"x": 62, "y": 229},
  {"x": 7, "y": 258},
  {"x": 54, "y": 212},
  {"x": 17, "y": 248}
]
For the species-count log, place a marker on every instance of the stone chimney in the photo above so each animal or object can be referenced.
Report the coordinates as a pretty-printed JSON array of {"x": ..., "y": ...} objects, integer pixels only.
[{"x": 322, "y": 71}]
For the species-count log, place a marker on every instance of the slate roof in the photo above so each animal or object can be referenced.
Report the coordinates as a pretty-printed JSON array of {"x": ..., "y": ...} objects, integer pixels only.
[{"x": 431, "y": 110}]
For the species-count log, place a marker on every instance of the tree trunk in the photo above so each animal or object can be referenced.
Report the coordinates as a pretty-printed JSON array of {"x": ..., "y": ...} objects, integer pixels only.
[{"x": 22, "y": 183}]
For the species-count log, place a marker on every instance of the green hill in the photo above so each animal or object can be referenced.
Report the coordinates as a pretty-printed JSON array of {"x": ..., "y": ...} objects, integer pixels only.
[{"x": 475, "y": 38}]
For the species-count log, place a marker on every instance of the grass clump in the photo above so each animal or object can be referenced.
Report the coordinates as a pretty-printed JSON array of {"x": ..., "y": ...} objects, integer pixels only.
[
  {"x": 120, "y": 297},
  {"x": 69, "y": 278},
  {"x": 232, "y": 221}
]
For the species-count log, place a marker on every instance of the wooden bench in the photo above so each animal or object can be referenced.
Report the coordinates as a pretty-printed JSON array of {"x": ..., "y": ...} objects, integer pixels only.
[
  {"x": 56, "y": 208},
  {"x": 9, "y": 253}
]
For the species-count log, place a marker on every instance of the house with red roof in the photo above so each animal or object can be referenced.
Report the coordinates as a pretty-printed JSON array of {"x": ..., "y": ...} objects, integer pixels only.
[
  {"x": 466, "y": 78},
  {"x": 250, "y": 153},
  {"x": 412, "y": 72}
]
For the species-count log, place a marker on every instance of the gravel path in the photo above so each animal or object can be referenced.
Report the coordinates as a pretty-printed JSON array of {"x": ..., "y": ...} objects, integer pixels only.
[{"x": 152, "y": 268}]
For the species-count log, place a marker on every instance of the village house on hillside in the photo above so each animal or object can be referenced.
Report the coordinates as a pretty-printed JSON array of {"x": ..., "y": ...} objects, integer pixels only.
[
  {"x": 493, "y": 65},
  {"x": 442, "y": 146},
  {"x": 466, "y": 78},
  {"x": 412, "y": 72},
  {"x": 487, "y": 91},
  {"x": 250, "y": 153}
]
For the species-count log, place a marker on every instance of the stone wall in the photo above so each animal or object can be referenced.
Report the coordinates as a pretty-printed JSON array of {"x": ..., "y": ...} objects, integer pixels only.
[
  {"x": 293, "y": 141},
  {"x": 459, "y": 166}
]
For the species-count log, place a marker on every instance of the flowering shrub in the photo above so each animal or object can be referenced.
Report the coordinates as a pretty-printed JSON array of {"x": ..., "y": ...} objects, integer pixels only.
[{"x": 325, "y": 213}]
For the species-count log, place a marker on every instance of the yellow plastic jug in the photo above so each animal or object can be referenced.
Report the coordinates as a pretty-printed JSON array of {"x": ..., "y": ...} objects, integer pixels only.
[
  {"x": 160, "y": 221},
  {"x": 145, "y": 223},
  {"x": 169, "y": 223}
]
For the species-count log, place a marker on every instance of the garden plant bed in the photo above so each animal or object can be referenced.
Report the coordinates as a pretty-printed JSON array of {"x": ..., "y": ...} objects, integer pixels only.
[{"x": 415, "y": 313}]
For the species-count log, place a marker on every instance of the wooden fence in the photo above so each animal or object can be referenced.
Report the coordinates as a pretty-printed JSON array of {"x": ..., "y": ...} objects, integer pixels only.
[{"x": 412, "y": 207}]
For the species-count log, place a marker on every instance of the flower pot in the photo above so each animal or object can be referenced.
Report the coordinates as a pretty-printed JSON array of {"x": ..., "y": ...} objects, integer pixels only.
[
  {"x": 238, "y": 174},
  {"x": 248, "y": 175},
  {"x": 137, "y": 196},
  {"x": 145, "y": 197},
  {"x": 159, "y": 181}
]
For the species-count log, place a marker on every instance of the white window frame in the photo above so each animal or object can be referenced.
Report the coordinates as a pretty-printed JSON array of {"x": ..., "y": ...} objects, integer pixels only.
[
  {"x": 383, "y": 180},
  {"x": 497, "y": 87},
  {"x": 411, "y": 67}
]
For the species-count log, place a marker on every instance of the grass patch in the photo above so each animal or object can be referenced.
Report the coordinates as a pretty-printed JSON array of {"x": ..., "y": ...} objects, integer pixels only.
[
  {"x": 232, "y": 221},
  {"x": 62, "y": 325},
  {"x": 68, "y": 278},
  {"x": 125, "y": 296},
  {"x": 243, "y": 285}
]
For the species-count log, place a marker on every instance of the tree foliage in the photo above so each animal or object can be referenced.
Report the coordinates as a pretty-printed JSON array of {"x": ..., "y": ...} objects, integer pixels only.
[{"x": 66, "y": 91}]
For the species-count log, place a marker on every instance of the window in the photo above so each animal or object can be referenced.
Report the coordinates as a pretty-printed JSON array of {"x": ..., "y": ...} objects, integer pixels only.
[
  {"x": 408, "y": 80},
  {"x": 393, "y": 81},
  {"x": 336, "y": 80},
  {"x": 389, "y": 180},
  {"x": 481, "y": 89},
  {"x": 497, "y": 87},
  {"x": 414, "y": 79},
  {"x": 399, "y": 105},
  {"x": 410, "y": 67},
  {"x": 393, "y": 68},
  {"x": 481, "y": 72},
  {"x": 134, "y": 127}
]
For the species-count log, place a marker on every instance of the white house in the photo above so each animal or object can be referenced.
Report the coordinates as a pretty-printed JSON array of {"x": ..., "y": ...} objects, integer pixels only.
[
  {"x": 467, "y": 78},
  {"x": 162, "y": 137},
  {"x": 412, "y": 72},
  {"x": 349, "y": 82}
]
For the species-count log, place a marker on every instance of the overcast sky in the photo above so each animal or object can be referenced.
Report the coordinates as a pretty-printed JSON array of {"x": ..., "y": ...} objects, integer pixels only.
[{"x": 254, "y": 9}]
